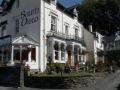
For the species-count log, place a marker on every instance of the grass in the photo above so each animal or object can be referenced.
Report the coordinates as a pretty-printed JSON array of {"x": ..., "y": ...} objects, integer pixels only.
[{"x": 71, "y": 74}]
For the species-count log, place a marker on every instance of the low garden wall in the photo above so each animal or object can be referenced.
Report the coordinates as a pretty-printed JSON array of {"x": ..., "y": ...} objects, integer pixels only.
[
  {"x": 59, "y": 82},
  {"x": 9, "y": 76}
]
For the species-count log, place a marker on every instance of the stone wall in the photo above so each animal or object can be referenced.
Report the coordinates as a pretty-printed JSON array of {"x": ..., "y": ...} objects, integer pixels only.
[{"x": 59, "y": 82}]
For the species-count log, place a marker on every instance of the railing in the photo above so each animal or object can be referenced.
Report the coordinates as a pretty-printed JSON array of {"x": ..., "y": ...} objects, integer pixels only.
[{"x": 66, "y": 37}]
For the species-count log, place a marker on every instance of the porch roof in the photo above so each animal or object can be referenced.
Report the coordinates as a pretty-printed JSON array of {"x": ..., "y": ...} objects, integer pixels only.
[{"x": 25, "y": 40}]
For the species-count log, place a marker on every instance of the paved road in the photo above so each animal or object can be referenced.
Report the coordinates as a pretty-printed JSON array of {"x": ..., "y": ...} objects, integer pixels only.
[
  {"x": 11, "y": 88},
  {"x": 112, "y": 82}
]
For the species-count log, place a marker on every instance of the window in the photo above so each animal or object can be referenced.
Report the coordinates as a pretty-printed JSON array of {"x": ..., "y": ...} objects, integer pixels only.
[
  {"x": 76, "y": 32},
  {"x": 76, "y": 55},
  {"x": 33, "y": 56},
  {"x": 5, "y": 55},
  {"x": 56, "y": 48},
  {"x": 53, "y": 23},
  {"x": 79, "y": 55},
  {"x": 3, "y": 31},
  {"x": 97, "y": 37},
  {"x": 62, "y": 52},
  {"x": 66, "y": 29},
  {"x": 117, "y": 44},
  {"x": 17, "y": 26}
]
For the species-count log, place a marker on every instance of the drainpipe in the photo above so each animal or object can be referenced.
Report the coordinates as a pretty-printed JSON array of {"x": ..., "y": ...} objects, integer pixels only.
[
  {"x": 39, "y": 62},
  {"x": 44, "y": 36}
]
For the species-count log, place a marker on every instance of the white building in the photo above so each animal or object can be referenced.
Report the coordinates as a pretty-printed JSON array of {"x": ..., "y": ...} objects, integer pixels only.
[
  {"x": 35, "y": 31},
  {"x": 98, "y": 48}
]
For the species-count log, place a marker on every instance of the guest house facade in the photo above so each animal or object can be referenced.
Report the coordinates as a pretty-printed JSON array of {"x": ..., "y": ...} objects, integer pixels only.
[{"x": 36, "y": 31}]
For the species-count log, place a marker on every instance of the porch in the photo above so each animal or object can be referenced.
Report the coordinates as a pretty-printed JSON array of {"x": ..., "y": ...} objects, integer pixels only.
[{"x": 21, "y": 49}]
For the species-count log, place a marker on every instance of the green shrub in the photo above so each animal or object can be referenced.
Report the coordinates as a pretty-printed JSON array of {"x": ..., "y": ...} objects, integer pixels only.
[{"x": 55, "y": 67}]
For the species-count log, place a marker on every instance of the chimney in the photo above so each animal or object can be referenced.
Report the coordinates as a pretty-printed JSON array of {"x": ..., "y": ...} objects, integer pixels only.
[{"x": 90, "y": 28}]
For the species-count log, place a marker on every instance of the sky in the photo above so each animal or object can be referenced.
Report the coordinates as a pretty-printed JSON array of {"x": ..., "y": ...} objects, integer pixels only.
[
  {"x": 66, "y": 3},
  {"x": 1, "y": 1}
]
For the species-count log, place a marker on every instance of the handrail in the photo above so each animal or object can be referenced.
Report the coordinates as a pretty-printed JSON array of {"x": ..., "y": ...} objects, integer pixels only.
[{"x": 65, "y": 36}]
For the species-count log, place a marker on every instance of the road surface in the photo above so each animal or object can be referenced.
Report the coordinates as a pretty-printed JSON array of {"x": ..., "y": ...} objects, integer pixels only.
[{"x": 112, "y": 82}]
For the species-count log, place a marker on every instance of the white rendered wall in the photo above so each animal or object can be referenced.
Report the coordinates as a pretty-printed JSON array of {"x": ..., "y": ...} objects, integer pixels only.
[
  {"x": 32, "y": 29},
  {"x": 41, "y": 27}
]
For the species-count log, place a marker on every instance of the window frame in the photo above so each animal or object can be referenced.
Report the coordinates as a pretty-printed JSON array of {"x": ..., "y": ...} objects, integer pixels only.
[
  {"x": 56, "y": 50},
  {"x": 62, "y": 51},
  {"x": 53, "y": 23},
  {"x": 66, "y": 29},
  {"x": 76, "y": 31}
]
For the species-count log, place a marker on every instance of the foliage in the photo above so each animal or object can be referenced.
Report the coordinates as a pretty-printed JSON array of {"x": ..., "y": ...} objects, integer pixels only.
[
  {"x": 100, "y": 67},
  {"x": 104, "y": 15},
  {"x": 90, "y": 65},
  {"x": 71, "y": 74},
  {"x": 55, "y": 68}
]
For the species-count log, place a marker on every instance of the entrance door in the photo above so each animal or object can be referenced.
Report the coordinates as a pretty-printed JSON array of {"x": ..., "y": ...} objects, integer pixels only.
[{"x": 69, "y": 57}]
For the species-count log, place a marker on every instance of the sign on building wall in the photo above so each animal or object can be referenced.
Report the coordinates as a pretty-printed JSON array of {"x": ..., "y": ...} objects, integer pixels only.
[{"x": 27, "y": 17}]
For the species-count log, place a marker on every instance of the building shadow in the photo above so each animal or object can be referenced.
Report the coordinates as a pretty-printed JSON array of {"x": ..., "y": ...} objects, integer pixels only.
[
  {"x": 9, "y": 76},
  {"x": 45, "y": 82}
]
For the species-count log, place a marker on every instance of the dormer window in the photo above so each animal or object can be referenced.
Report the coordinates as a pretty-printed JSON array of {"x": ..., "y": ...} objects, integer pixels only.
[
  {"x": 75, "y": 13},
  {"x": 53, "y": 2}
]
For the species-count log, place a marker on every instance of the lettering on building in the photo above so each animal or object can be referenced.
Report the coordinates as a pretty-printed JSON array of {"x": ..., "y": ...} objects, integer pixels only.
[{"x": 27, "y": 17}]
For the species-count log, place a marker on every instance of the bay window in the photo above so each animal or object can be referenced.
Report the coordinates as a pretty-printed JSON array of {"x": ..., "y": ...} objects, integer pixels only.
[
  {"x": 62, "y": 52},
  {"x": 56, "y": 48}
]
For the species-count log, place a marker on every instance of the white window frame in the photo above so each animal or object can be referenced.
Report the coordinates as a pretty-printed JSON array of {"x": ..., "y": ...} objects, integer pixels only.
[
  {"x": 56, "y": 51},
  {"x": 62, "y": 51},
  {"x": 76, "y": 32},
  {"x": 54, "y": 23},
  {"x": 66, "y": 29}
]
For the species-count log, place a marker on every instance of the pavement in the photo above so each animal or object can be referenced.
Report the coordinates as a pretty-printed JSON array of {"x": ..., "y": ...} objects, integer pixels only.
[
  {"x": 11, "y": 88},
  {"x": 112, "y": 82}
]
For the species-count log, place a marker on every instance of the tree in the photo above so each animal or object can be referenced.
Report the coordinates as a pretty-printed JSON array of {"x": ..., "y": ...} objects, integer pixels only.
[{"x": 104, "y": 15}]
